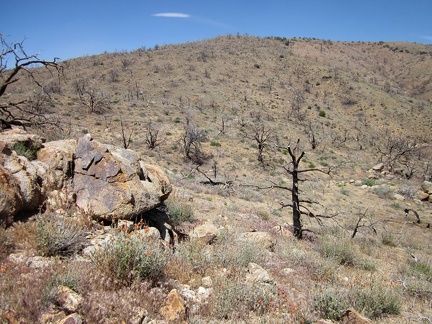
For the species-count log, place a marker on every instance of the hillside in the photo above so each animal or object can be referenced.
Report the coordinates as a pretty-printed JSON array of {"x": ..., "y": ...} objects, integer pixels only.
[{"x": 349, "y": 106}]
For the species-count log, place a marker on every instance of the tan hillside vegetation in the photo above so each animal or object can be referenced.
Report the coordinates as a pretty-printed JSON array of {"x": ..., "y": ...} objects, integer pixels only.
[{"x": 220, "y": 116}]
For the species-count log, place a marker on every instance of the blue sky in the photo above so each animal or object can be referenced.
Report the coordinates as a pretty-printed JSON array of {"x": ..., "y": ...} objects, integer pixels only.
[{"x": 72, "y": 28}]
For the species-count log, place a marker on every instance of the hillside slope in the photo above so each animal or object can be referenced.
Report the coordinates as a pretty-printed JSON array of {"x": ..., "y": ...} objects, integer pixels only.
[{"x": 349, "y": 106}]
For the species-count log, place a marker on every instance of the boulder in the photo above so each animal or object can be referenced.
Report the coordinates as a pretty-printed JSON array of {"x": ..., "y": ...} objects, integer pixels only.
[
  {"x": 10, "y": 198},
  {"x": 113, "y": 182},
  {"x": 258, "y": 274},
  {"x": 205, "y": 230},
  {"x": 422, "y": 195},
  {"x": 174, "y": 309},
  {"x": 378, "y": 168},
  {"x": 19, "y": 185}
]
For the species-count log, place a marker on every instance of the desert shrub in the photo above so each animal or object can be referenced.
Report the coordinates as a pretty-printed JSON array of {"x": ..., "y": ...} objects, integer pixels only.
[
  {"x": 408, "y": 192},
  {"x": 230, "y": 252},
  {"x": 382, "y": 192},
  {"x": 6, "y": 245},
  {"x": 59, "y": 236},
  {"x": 373, "y": 297},
  {"x": 388, "y": 239},
  {"x": 368, "y": 182},
  {"x": 127, "y": 258},
  {"x": 179, "y": 212},
  {"x": 70, "y": 276},
  {"x": 22, "y": 296},
  {"x": 194, "y": 255},
  {"x": 322, "y": 113},
  {"x": 417, "y": 278},
  {"x": 344, "y": 192},
  {"x": 22, "y": 235},
  {"x": 339, "y": 250},
  {"x": 234, "y": 299}
]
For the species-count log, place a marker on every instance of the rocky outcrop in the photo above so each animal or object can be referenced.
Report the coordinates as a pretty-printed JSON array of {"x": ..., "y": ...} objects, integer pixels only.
[
  {"x": 101, "y": 179},
  {"x": 19, "y": 180}
]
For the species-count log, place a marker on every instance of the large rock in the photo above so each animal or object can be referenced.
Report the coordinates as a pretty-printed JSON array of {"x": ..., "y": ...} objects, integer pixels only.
[
  {"x": 10, "y": 198},
  {"x": 427, "y": 187},
  {"x": 111, "y": 182}
]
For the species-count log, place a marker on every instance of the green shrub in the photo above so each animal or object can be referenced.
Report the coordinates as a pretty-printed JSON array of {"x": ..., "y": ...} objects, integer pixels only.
[
  {"x": 234, "y": 299},
  {"x": 128, "y": 258},
  {"x": 368, "y": 182},
  {"x": 373, "y": 297},
  {"x": 216, "y": 144},
  {"x": 234, "y": 253},
  {"x": 196, "y": 254},
  {"x": 322, "y": 113},
  {"x": 344, "y": 192},
  {"x": 25, "y": 149},
  {"x": 337, "y": 249},
  {"x": 59, "y": 236},
  {"x": 179, "y": 212}
]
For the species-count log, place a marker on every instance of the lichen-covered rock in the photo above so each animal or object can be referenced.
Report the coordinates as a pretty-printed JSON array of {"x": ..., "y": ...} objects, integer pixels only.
[
  {"x": 111, "y": 182},
  {"x": 174, "y": 309}
]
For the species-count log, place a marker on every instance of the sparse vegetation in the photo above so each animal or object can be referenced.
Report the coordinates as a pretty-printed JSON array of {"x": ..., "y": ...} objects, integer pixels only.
[
  {"x": 128, "y": 258},
  {"x": 222, "y": 104}
]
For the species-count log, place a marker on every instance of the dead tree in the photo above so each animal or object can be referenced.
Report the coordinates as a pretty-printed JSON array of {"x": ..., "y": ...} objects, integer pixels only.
[
  {"x": 261, "y": 135},
  {"x": 18, "y": 112},
  {"x": 126, "y": 139},
  {"x": 360, "y": 223},
  {"x": 298, "y": 205},
  {"x": 191, "y": 141},
  {"x": 152, "y": 139}
]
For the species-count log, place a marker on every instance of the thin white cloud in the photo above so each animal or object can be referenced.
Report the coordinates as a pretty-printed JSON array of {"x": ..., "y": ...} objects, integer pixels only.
[
  {"x": 427, "y": 37},
  {"x": 171, "y": 15}
]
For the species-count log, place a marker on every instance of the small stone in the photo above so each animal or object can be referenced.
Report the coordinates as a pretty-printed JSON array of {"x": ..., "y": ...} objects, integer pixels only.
[
  {"x": 207, "y": 282},
  {"x": 68, "y": 299}
]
